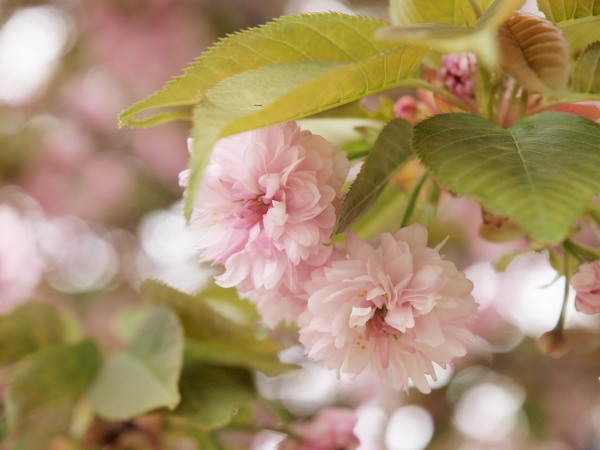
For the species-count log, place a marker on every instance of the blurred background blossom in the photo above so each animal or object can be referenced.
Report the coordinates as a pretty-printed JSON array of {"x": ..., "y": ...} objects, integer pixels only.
[{"x": 88, "y": 210}]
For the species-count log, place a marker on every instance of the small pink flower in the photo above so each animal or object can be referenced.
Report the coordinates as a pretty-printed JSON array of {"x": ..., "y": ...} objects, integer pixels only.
[
  {"x": 405, "y": 107},
  {"x": 397, "y": 308},
  {"x": 268, "y": 206},
  {"x": 586, "y": 283},
  {"x": 20, "y": 267},
  {"x": 331, "y": 429},
  {"x": 458, "y": 72}
]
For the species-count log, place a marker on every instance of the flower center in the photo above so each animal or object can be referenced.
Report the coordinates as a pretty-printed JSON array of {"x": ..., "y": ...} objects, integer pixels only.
[
  {"x": 251, "y": 212},
  {"x": 379, "y": 324}
]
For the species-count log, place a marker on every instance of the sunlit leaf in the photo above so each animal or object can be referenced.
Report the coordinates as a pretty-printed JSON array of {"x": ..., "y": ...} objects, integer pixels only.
[
  {"x": 31, "y": 327},
  {"x": 327, "y": 37},
  {"x": 453, "y": 12},
  {"x": 535, "y": 52},
  {"x": 145, "y": 375},
  {"x": 383, "y": 113},
  {"x": 542, "y": 172},
  {"x": 51, "y": 381},
  {"x": 479, "y": 38},
  {"x": 586, "y": 74},
  {"x": 212, "y": 394},
  {"x": 391, "y": 150},
  {"x": 563, "y": 10},
  {"x": 579, "y": 19},
  {"x": 249, "y": 91},
  {"x": 342, "y": 84}
]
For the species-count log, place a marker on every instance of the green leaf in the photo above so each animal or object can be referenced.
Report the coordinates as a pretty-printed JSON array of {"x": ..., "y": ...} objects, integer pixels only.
[
  {"x": 206, "y": 440},
  {"x": 586, "y": 74},
  {"x": 341, "y": 84},
  {"x": 145, "y": 375},
  {"x": 249, "y": 91},
  {"x": 384, "y": 216},
  {"x": 212, "y": 394},
  {"x": 579, "y": 19},
  {"x": 51, "y": 380},
  {"x": 214, "y": 313},
  {"x": 542, "y": 172},
  {"x": 255, "y": 354},
  {"x": 357, "y": 110},
  {"x": 453, "y": 12},
  {"x": 391, "y": 150},
  {"x": 479, "y": 38},
  {"x": 563, "y": 10},
  {"x": 271, "y": 94},
  {"x": 221, "y": 328},
  {"x": 31, "y": 327},
  {"x": 316, "y": 37}
]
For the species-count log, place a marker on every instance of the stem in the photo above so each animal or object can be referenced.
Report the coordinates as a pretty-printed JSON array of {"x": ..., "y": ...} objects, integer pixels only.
[
  {"x": 512, "y": 100},
  {"x": 412, "y": 199},
  {"x": 449, "y": 97},
  {"x": 483, "y": 96},
  {"x": 476, "y": 8},
  {"x": 499, "y": 105},
  {"x": 580, "y": 252},
  {"x": 594, "y": 213},
  {"x": 487, "y": 111},
  {"x": 563, "y": 312},
  {"x": 548, "y": 106},
  {"x": 572, "y": 249}
]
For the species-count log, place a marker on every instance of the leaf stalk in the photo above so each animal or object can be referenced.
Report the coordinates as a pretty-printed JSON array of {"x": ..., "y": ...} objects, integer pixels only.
[{"x": 412, "y": 199}]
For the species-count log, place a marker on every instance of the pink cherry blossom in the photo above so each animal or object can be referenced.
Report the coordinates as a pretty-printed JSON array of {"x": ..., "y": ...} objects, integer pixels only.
[
  {"x": 458, "y": 72},
  {"x": 288, "y": 301},
  {"x": 267, "y": 205},
  {"x": 331, "y": 429},
  {"x": 397, "y": 308},
  {"x": 586, "y": 283},
  {"x": 20, "y": 268}
]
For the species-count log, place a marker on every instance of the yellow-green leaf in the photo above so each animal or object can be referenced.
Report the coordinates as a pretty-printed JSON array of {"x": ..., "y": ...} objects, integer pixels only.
[
  {"x": 479, "y": 38},
  {"x": 563, "y": 10},
  {"x": 586, "y": 74},
  {"x": 453, "y": 12},
  {"x": 310, "y": 37},
  {"x": 535, "y": 52},
  {"x": 579, "y": 19}
]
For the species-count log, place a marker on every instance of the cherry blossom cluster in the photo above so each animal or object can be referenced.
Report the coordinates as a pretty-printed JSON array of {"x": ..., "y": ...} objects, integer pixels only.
[{"x": 267, "y": 207}]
